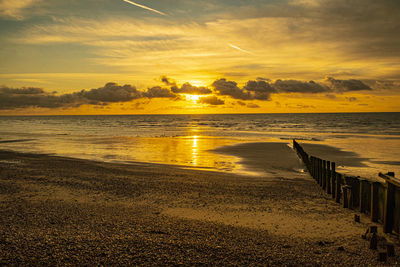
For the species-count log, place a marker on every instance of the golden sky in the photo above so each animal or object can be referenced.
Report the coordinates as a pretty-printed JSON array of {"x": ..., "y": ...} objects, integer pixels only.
[{"x": 186, "y": 56}]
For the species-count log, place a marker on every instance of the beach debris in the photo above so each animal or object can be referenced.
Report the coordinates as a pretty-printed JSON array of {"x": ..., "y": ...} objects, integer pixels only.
[
  {"x": 390, "y": 249},
  {"x": 382, "y": 256},
  {"x": 373, "y": 229},
  {"x": 373, "y": 242},
  {"x": 341, "y": 248},
  {"x": 323, "y": 243},
  {"x": 356, "y": 218},
  {"x": 370, "y": 230}
]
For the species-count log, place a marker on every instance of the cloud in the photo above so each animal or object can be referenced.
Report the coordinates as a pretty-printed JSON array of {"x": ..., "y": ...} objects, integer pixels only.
[
  {"x": 384, "y": 85},
  {"x": 252, "y": 105},
  {"x": 351, "y": 99},
  {"x": 307, "y": 3},
  {"x": 211, "y": 100},
  {"x": 144, "y": 7},
  {"x": 229, "y": 88},
  {"x": 260, "y": 90},
  {"x": 21, "y": 91},
  {"x": 240, "y": 49},
  {"x": 13, "y": 9},
  {"x": 300, "y": 106},
  {"x": 264, "y": 79},
  {"x": 187, "y": 88},
  {"x": 347, "y": 85},
  {"x": 294, "y": 86},
  {"x": 159, "y": 92},
  {"x": 168, "y": 81},
  {"x": 111, "y": 92},
  {"x": 11, "y": 98}
]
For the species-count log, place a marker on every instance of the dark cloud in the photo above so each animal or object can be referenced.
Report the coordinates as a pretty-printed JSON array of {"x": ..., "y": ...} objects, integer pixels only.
[
  {"x": 187, "y": 88},
  {"x": 260, "y": 90},
  {"x": 11, "y": 98},
  {"x": 252, "y": 105},
  {"x": 21, "y": 91},
  {"x": 229, "y": 88},
  {"x": 300, "y": 106},
  {"x": 211, "y": 100},
  {"x": 110, "y": 93},
  {"x": 384, "y": 85},
  {"x": 294, "y": 86},
  {"x": 158, "y": 92},
  {"x": 347, "y": 85},
  {"x": 263, "y": 79},
  {"x": 351, "y": 99},
  {"x": 168, "y": 81}
]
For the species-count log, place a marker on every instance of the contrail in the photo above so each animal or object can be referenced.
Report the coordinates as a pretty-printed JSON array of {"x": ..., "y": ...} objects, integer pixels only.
[
  {"x": 240, "y": 49},
  {"x": 145, "y": 7}
]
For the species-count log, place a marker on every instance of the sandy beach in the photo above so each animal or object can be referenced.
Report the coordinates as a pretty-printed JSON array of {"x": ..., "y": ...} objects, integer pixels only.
[{"x": 65, "y": 211}]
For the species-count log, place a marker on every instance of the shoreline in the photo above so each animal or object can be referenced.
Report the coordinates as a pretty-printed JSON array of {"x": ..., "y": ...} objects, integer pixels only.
[
  {"x": 245, "y": 157},
  {"x": 66, "y": 211}
]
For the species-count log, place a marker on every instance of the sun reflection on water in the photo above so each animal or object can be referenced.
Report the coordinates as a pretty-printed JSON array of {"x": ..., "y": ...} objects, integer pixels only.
[{"x": 194, "y": 150}]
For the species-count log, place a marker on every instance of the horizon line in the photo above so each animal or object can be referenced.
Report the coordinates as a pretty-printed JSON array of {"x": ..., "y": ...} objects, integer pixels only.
[{"x": 177, "y": 114}]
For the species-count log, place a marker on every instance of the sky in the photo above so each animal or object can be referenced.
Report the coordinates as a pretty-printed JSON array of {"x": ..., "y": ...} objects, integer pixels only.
[{"x": 189, "y": 56}]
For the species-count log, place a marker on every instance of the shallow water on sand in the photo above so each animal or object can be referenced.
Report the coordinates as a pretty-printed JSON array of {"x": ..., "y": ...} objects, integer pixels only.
[{"x": 193, "y": 140}]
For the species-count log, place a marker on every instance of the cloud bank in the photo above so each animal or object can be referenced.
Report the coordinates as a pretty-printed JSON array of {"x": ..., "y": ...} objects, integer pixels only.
[
  {"x": 11, "y": 98},
  {"x": 260, "y": 89},
  {"x": 13, "y": 9}
]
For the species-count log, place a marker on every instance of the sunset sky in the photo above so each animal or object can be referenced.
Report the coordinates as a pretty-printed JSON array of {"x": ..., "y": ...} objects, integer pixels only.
[{"x": 187, "y": 56}]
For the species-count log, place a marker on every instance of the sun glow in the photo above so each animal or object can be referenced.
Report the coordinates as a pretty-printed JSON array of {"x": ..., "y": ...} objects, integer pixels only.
[
  {"x": 197, "y": 83},
  {"x": 193, "y": 98}
]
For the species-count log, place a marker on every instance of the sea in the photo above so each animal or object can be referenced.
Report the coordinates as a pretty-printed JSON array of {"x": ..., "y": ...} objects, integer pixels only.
[{"x": 190, "y": 141}]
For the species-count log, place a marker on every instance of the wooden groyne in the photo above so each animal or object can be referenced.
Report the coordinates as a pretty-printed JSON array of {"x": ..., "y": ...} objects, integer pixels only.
[{"x": 381, "y": 201}]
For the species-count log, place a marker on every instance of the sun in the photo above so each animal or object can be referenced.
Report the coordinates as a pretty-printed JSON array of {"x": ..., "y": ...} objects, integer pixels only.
[{"x": 192, "y": 98}]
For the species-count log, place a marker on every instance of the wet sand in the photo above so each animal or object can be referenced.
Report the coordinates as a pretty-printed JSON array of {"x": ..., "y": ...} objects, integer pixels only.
[{"x": 64, "y": 211}]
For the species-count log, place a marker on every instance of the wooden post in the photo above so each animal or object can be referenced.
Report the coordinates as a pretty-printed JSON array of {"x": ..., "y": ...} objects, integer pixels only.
[
  {"x": 328, "y": 177},
  {"x": 312, "y": 167},
  {"x": 388, "y": 219},
  {"x": 333, "y": 179},
  {"x": 320, "y": 172},
  {"x": 363, "y": 202},
  {"x": 382, "y": 256},
  {"x": 345, "y": 199},
  {"x": 338, "y": 187},
  {"x": 390, "y": 249},
  {"x": 324, "y": 174},
  {"x": 317, "y": 170},
  {"x": 373, "y": 242},
  {"x": 350, "y": 196},
  {"x": 374, "y": 201}
]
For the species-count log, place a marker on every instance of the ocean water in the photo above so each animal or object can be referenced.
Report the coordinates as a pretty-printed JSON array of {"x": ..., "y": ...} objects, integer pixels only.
[{"x": 188, "y": 140}]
